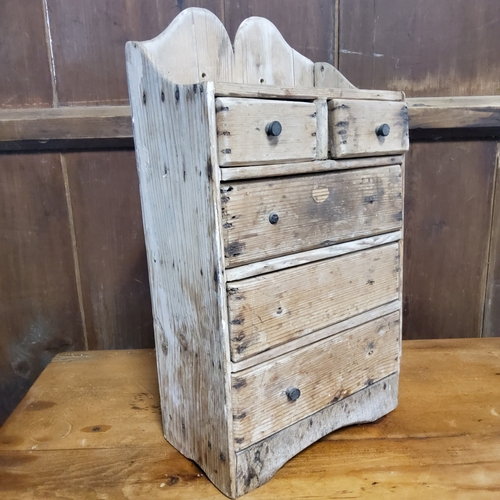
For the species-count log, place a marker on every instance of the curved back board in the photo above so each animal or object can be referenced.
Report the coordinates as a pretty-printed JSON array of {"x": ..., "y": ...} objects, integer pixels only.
[{"x": 196, "y": 47}]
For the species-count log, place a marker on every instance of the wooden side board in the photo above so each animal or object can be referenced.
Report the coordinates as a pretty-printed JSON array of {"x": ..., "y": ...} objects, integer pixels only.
[{"x": 177, "y": 167}]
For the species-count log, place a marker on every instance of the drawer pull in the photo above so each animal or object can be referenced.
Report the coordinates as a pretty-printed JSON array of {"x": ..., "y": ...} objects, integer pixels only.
[
  {"x": 274, "y": 218},
  {"x": 383, "y": 130},
  {"x": 293, "y": 393},
  {"x": 273, "y": 129}
]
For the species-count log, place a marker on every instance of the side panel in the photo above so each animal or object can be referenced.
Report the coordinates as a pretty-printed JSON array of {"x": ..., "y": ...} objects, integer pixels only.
[{"x": 173, "y": 130}]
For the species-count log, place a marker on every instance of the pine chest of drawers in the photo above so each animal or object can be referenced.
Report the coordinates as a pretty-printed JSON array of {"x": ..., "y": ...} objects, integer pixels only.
[{"x": 272, "y": 197}]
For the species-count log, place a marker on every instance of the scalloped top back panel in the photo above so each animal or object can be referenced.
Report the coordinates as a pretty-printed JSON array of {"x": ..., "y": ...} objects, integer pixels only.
[{"x": 196, "y": 47}]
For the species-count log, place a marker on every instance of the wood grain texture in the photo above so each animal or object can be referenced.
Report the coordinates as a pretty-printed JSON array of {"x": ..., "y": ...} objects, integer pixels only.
[
  {"x": 426, "y": 48},
  {"x": 88, "y": 35},
  {"x": 24, "y": 55},
  {"x": 285, "y": 91},
  {"x": 353, "y": 125},
  {"x": 267, "y": 312},
  {"x": 92, "y": 122},
  {"x": 113, "y": 122},
  {"x": 491, "y": 321},
  {"x": 454, "y": 112},
  {"x": 300, "y": 258},
  {"x": 334, "y": 329},
  {"x": 280, "y": 169},
  {"x": 175, "y": 134},
  {"x": 316, "y": 42},
  {"x": 327, "y": 76},
  {"x": 111, "y": 252},
  {"x": 258, "y": 463},
  {"x": 442, "y": 440},
  {"x": 325, "y": 372},
  {"x": 447, "y": 225},
  {"x": 198, "y": 48},
  {"x": 39, "y": 303},
  {"x": 262, "y": 55},
  {"x": 241, "y": 131},
  {"x": 314, "y": 211}
]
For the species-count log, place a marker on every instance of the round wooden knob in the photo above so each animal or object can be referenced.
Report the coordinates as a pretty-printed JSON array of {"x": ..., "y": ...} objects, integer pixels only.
[
  {"x": 383, "y": 130},
  {"x": 293, "y": 393},
  {"x": 273, "y": 129},
  {"x": 274, "y": 218}
]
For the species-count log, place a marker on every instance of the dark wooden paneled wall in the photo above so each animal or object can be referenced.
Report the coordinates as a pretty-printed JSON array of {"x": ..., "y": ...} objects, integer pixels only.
[
  {"x": 73, "y": 273},
  {"x": 430, "y": 48}
]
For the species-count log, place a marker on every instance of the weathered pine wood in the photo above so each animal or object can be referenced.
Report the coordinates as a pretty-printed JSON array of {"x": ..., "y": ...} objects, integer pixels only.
[
  {"x": 324, "y": 372},
  {"x": 353, "y": 126},
  {"x": 328, "y": 76},
  {"x": 278, "y": 91},
  {"x": 263, "y": 56},
  {"x": 281, "y": 169},
  {"x": 184, "y": 131},
  {"x": 300, "y": 258},
  {"x": 264, "y": 312},
  {"x": 311, "y": 338},
  {"x": 242, "y": 136},
  {"x": 174, "y": 129},
  {"x": 257, "y": 463},
  {"x": 321, "y": 129},
  {"x": 313, "y": 211}
]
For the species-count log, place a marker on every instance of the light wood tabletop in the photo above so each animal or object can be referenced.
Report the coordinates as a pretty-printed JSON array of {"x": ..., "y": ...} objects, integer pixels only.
[{"x": 90, "y": 428}]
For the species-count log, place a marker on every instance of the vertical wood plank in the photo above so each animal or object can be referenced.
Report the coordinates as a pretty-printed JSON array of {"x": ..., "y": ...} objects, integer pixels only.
[
  {"x": 447, "y": 223},
  {"x": 175, "y": 136},
  {"x": 425, "y": 48},
  {"x": 110, "y": 247},
  {"x": 25, "y": 79},
  {"x": 491, "y": 324},
  {"x": 89, "y": 39},
  {"x": 307, "y": 26},
  {"x": 38, "y": 299}
]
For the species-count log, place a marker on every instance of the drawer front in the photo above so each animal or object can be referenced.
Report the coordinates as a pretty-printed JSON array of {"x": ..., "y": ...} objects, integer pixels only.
[
  {"x": 273, "y": 395},
  {"x": 272, "y": 309},
  {"x": 273, "y": 217},
  {"x": 365, "y": 128},
  {"x": 257, "y": 131}
]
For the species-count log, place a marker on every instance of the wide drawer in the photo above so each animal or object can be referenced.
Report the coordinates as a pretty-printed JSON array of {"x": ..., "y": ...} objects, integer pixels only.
[
  {"x": 272, "y": 309},
  {"x": 365, "y": 128},
  {"x": 257, "y": 131},
  {"x": 273, "y": 217},
  {"x": 271, "y": 396}
]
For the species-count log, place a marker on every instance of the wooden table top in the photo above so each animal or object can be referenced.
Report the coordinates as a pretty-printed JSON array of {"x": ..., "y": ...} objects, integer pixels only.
[{"x": 90, "y": 428}]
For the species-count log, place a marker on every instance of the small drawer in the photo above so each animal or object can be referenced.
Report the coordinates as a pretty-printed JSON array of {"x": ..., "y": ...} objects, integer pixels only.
[
  {"x": 273, "y": 217},
  {"x": 275, "y": 308},
  {"x": 280, "y": 392},
  {"x": 257, "y": 131},
  {"x": 366, "y": 128}
]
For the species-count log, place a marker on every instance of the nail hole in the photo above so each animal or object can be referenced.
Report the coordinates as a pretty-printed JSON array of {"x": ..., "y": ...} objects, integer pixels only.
[
  {"x": 203, "y": 75},
  {"x": 262, "y": 80}
]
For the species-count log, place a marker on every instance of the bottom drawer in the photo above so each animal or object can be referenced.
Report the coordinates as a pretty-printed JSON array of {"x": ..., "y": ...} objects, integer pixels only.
[{"x": 269, "y": 397}]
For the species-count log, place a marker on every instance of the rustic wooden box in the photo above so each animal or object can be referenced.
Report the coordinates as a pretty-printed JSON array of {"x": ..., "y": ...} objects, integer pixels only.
[{"x": 272, "y": 198}]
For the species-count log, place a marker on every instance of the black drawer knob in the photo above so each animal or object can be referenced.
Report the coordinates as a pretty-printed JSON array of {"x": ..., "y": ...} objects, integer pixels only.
[
  {"x": 383, "y": 130},
  {"x": 293, "y": 393},
  {"x": 273, "y": 129},
  {"x": 274, "y": 218}
]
